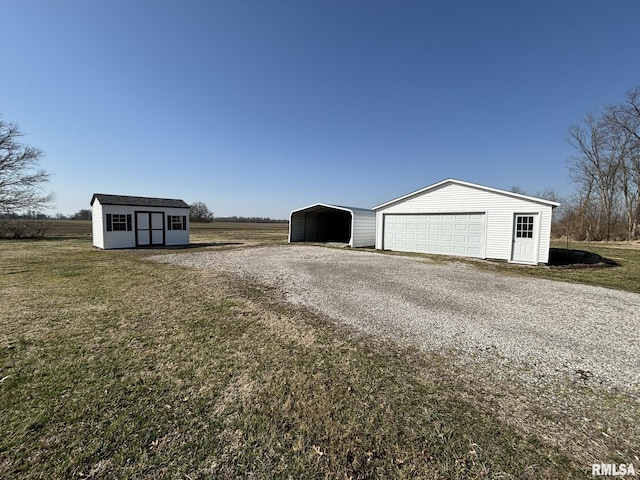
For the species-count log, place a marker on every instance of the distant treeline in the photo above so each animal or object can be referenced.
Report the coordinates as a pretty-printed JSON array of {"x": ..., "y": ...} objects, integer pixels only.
[
  {"x": 32, "y": 215},
  {"x": 25, "y": 216},
  {"x": 248, "y": 220},
  {"x": 86, "y": 215}
]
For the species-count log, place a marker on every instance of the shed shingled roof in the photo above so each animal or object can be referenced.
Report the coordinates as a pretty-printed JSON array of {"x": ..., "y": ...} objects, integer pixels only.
[{"x": 106, "y": 199}]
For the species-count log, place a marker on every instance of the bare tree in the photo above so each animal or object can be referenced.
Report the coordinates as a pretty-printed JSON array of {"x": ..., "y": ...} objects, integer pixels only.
[
  {"x": 627, "y": 115},
  {"x": 518, "y": 190},
  {"x": 596, "y": 169},
  {"x": 199, "y": 212},
  {"x": 21, "y": 180},
  {"x": 607, "y": 171},
  {"x": 624, "y": 121}
]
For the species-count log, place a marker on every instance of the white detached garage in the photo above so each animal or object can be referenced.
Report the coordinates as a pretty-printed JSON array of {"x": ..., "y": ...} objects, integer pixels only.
[
  {"x": 120, "y": 221},
  {"x": 453, "y": 217}
]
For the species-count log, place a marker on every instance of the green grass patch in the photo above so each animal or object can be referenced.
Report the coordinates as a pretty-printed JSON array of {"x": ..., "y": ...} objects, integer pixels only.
[{"x": 625, "y": 276}]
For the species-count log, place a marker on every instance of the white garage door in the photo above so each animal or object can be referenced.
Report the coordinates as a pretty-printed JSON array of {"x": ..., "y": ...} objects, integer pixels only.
[{"x": 446, "y": 234}]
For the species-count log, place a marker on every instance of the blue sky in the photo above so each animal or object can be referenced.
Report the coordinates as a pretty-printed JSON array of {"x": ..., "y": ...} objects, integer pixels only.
[{"x": 260, "y": 107}]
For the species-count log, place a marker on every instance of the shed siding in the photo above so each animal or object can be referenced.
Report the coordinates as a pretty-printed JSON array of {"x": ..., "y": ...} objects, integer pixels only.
[
  {"x": 175, "y": 237},
  {"x": 97, "y": 225},
  {"x": 499, "y": 209},
  {"x": 119, "y": 239}
]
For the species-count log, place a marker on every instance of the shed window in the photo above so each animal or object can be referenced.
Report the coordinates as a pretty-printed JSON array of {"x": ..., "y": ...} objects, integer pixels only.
[
  {"x": 118, "y": 222},
  {"x": 177, "y": 222}
]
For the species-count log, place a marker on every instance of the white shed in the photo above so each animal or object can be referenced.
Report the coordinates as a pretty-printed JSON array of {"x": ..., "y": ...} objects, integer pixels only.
[
  {"x": 453, "y": 217},
  {"x": 332, "y": 223},
  {"x": 120, "y": 221}
]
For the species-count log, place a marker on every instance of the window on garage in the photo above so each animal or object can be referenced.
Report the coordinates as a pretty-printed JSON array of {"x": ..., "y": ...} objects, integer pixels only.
[{"x": 524, "y": 226}]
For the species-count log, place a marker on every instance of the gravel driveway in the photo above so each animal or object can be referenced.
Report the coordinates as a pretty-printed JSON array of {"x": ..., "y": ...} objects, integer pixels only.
[{"x": 546, "y": 327}]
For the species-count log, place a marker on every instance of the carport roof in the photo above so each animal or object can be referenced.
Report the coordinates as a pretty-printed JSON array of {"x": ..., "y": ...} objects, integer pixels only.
[
  {"x": 467, "y": 184},
  {"x": 323, "y": 206}
]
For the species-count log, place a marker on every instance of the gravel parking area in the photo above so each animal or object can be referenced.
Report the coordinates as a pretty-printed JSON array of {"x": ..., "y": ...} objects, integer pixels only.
[{"x": 541, "y": 326}]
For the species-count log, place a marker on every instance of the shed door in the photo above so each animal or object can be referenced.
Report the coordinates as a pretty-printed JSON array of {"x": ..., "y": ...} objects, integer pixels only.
[
  {"x": 524, "y": 238},
  {"x": 459, "y": 234},
  {"x": 149, "y": 228}
]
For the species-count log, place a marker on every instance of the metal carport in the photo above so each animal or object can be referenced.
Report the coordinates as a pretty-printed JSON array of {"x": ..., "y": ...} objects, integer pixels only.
[{"x": 322, "y": 222}]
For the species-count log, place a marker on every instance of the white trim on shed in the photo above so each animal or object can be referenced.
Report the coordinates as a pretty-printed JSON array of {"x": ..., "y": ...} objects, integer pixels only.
[
  {"x": 322, "y": 222},
  {"x": 120, "y": 221},
  {"x": 453, "y": 217}
]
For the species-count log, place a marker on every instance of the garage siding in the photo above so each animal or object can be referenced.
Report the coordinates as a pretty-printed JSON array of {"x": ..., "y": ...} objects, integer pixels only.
[{"x": 456, "y": 198}]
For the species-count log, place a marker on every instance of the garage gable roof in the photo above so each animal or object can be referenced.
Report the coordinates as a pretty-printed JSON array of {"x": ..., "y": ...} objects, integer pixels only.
[
  {"x": 322, "y": 206},
  {"x": 467, "y": 184},
  {"x": 106, "y": 199}
]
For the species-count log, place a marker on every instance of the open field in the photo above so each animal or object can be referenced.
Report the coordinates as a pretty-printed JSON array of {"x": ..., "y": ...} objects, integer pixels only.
[
  {"x": 239, "y": 234},
  {"x": 214, "y": 232},
  {"x": 112, "y": 366}
]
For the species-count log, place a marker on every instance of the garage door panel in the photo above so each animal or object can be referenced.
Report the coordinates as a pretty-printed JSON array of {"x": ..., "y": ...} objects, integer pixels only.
[{"x": 445, "y": 234}]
